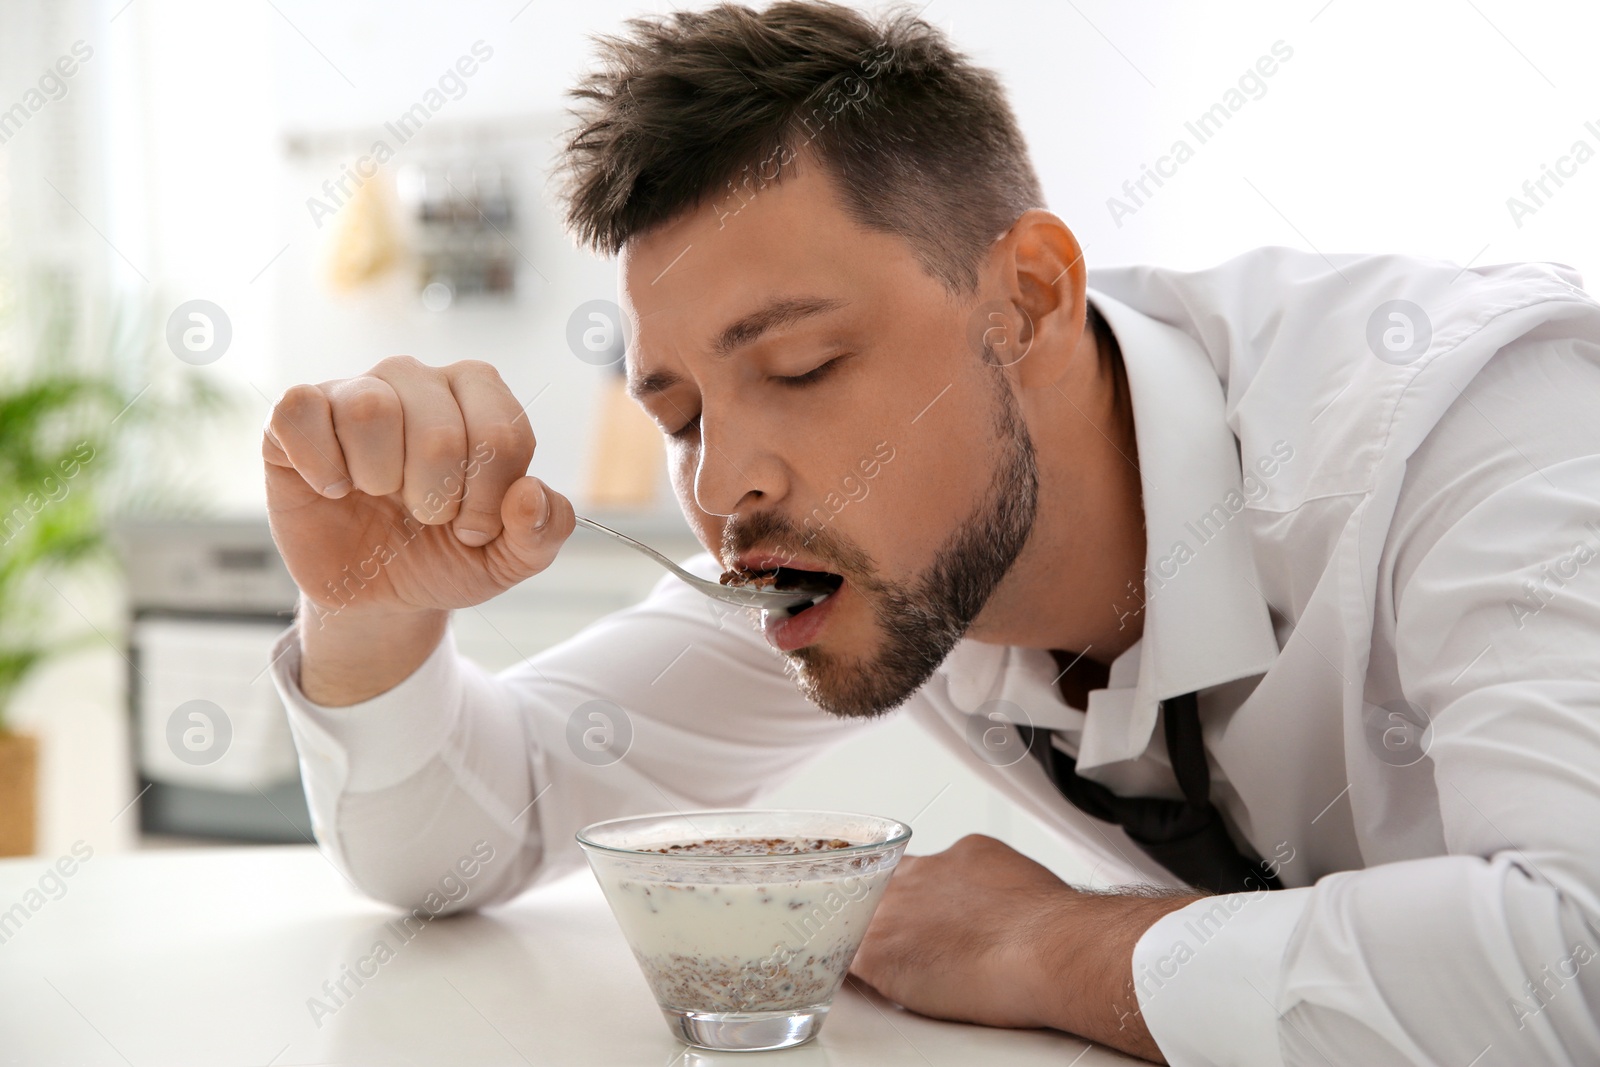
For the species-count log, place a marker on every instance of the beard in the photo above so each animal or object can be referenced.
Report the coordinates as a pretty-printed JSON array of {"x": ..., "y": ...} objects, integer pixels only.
[{"x": 920, "y": 620}]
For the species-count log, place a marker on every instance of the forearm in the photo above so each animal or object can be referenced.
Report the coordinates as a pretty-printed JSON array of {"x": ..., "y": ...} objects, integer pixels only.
[
  {"x": 347, "y": 658},
  {"x": 431, "y": 775},
  {"x": 1084, "y": 966}
]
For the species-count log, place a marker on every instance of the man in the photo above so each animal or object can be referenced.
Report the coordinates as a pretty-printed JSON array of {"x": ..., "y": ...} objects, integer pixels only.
[{"x": 1273, "y": 585}]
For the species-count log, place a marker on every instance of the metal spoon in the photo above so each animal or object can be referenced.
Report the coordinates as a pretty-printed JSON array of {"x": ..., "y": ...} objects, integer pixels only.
[{"x": 744, "y": 595}]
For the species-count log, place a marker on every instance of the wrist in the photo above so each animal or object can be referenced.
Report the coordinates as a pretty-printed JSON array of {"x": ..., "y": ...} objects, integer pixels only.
[
  {"x": 346, "y": 658},
  {"x": 1083, "y": 970}
]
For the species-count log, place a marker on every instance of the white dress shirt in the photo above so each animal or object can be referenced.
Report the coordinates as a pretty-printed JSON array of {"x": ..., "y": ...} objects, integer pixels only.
[{"x": 1343, "y": 549}]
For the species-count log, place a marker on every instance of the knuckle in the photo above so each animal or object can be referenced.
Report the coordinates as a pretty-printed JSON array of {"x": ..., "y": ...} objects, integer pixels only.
[
  {"x": 397, "y": 363},
  {"x": 504, "y": 439},
  {"x": 297, "y": 415},
  {"x": 367, "y": 405},
  {"x": 439, "y": 444},
  {"x": 476, "y": 367},
  {"x": 298, "y": 401}
]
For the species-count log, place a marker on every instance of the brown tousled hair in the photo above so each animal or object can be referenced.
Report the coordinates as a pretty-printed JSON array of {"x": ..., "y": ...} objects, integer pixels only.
[{"x": 704, "y": 108}]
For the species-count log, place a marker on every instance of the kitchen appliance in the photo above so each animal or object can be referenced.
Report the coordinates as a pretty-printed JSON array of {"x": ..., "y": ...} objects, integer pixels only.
[{"x": 211, "y": 744}]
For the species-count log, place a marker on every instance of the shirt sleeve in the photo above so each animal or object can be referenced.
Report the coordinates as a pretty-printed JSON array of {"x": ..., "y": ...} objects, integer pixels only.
[
  {"x": 1488, "y": 953},
  {"x": 670, "y": 704}
]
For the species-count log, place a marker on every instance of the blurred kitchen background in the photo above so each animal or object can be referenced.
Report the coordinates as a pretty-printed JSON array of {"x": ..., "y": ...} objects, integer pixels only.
[{"x": 159, "y": 153}]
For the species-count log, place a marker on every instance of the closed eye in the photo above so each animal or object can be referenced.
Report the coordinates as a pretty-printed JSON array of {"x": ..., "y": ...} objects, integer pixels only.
[{"x": 810, "y": 376}]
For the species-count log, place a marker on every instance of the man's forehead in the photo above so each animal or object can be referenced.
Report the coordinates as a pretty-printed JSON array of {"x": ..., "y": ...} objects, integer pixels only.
[
  {"x": 671, "y": 313},
  {"x": 781, "y": 230}
]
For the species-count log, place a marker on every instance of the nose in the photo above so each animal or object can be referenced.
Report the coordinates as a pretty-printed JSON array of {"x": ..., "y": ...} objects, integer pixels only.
[{"x": 737, "y": 466}]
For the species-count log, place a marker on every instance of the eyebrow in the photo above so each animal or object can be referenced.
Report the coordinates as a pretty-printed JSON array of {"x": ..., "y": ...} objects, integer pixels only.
[
  {"x": 745, "y": 331},
  {"x": 778, "y": 313}
]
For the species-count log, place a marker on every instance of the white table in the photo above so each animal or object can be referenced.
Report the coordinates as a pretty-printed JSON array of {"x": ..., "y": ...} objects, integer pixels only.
[{"x": 210, "y": 956}]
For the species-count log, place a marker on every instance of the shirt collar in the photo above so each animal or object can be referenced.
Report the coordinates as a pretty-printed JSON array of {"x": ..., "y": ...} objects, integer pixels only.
[{"x": 1205, "y": 620}]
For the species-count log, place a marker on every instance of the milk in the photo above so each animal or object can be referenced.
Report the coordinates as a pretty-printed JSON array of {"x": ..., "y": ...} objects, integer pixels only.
[{"x": 742, "y": 938}]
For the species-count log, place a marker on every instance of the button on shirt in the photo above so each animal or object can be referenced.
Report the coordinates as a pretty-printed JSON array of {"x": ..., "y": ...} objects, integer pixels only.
[{"x": 1373, "y": 549}]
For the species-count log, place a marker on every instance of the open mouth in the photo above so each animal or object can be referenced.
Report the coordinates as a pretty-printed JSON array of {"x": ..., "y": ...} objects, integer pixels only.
[{"x": 784, "y": 579}]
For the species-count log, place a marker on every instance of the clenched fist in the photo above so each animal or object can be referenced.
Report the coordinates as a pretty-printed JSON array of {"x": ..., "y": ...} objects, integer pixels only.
[{"x": 404, "y": 491}]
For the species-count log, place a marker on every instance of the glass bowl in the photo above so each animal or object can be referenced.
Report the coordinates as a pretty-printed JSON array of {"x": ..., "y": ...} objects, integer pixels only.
[{"x": 744, "y": 922}]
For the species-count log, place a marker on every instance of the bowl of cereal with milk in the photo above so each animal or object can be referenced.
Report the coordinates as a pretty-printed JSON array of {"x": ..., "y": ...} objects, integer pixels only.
[{"x": 744, "y": 922}]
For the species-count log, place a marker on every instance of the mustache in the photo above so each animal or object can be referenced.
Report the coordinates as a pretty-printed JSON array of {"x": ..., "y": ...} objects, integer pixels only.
[{"x": 774, "y": 533}]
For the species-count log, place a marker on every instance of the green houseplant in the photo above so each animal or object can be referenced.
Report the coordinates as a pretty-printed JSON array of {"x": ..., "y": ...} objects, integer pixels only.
[
  {"x": 81, "y": 434},
  {"x": 49, "y": 520}
]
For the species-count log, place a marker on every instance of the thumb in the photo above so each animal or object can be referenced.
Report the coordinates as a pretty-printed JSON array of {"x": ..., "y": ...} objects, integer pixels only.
[{"x": 537, "y": 520}]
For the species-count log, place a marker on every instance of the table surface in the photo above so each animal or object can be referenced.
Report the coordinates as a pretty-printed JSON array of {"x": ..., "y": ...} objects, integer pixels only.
[{"x": 213, "y": 957}]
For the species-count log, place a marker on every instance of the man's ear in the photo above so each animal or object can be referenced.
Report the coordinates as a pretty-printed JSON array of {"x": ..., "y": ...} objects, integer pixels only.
[{"x": 1035, "y": 326}]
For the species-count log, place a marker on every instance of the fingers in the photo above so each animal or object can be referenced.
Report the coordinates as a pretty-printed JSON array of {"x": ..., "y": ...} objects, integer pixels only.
[
  {"x": 536, "y": 520},
  {"x": 434, "y": 439},
  {"x": 500, "y": 444},
  {"x": 449, "y": 441},
  {"x": 300, "y": 430},
  {"x": 369, "y": 421}
]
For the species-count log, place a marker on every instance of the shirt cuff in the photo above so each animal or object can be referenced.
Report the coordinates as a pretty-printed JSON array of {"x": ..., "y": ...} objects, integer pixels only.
[
  {"x": 1207, "y": 977},
  {"x": 380, "y": 742}
]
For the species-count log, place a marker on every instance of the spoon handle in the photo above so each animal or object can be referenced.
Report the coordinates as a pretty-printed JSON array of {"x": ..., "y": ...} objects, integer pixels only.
[{"x": 640, "y": 546}]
